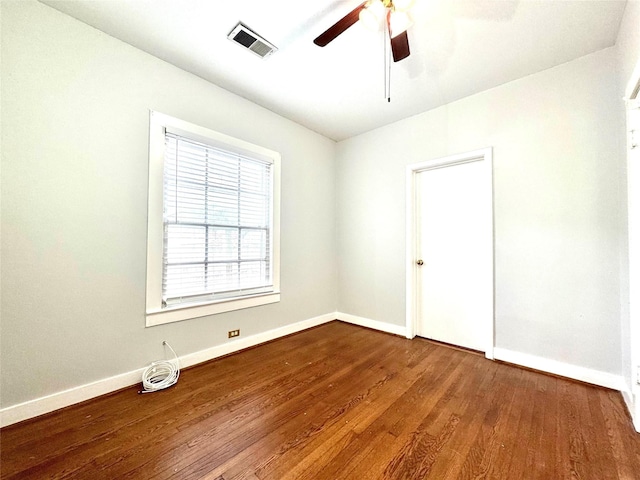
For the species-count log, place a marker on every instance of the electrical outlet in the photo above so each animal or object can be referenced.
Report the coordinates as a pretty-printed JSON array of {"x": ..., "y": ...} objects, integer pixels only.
[{"x": 234, "y": 333}]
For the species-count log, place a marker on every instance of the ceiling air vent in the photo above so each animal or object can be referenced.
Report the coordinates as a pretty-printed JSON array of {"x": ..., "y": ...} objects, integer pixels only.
[{"x": 244, "y": 36}]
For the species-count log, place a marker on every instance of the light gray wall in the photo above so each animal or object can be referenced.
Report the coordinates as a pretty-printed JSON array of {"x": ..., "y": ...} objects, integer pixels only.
[
  {"x": 75, "y": 106},
  {"x": 74, "y": 118},
  {"x": 559, "y": 193},
  {"x": 628, "y": 41}
]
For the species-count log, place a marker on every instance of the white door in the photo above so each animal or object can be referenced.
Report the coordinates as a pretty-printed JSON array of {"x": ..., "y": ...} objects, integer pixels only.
[{"x": 455, "y": 247}]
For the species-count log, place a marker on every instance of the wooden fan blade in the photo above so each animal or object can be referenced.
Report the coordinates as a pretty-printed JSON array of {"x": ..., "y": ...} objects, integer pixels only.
[
  {"x": 400, "y": 46},
  {"x": 340, "y": 26}
]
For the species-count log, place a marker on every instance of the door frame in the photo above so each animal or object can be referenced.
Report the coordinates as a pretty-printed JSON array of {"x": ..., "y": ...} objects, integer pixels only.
[
  {"x": 412, "y": 283},
  {"x": 632, "y": 101}
]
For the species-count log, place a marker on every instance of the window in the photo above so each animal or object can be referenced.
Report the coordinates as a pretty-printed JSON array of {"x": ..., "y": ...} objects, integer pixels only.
[{"x": 213, "y": 226}]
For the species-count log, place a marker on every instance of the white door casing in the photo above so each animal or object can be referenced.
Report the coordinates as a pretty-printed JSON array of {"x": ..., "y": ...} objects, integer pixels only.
[{"x": 632, "y": 97}]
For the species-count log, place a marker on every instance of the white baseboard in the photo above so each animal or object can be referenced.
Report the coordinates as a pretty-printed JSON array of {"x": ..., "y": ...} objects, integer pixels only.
[
  {"x": 627, "y": 396},
  {"x": 55, "y": 401},
  {"x": 253, "y": 340},
  {"x": 628, "y": 400},
  {"x": 49, "y": 403},
  {"x": 633, "y": 406},
  {"x": 587, "y": 375},
  {"x": 373, "y": 324}
]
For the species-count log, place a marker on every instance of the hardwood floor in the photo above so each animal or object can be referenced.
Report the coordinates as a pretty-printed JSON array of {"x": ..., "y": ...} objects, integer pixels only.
[{"x": 337, "y": 402}]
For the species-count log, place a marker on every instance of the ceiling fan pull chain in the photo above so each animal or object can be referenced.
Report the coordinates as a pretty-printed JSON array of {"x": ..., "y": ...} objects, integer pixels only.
[
  {"x": 384, "y": 66},
  {"x": 387, "y": 58},
  {"x": 389, "y": 78},
  {"x": 388, "y": 82}
]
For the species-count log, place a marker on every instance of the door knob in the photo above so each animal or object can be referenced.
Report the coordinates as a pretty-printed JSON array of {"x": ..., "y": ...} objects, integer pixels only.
[{"x": 420, "y": 262}]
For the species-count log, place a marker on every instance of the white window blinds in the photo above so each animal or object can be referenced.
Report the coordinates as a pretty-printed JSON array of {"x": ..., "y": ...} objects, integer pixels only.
[{"x": 217, "y": 218}]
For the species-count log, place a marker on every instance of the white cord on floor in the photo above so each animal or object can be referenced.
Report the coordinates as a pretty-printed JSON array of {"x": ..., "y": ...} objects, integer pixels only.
[{"x": 161, "y": 374}]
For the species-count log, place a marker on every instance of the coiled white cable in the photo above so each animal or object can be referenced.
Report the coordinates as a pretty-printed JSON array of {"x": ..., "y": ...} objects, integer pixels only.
[{"x": 160, "y": 374}]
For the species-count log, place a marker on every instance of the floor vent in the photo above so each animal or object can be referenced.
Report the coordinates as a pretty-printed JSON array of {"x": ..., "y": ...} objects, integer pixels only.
[{"x": 247, "y": 38}]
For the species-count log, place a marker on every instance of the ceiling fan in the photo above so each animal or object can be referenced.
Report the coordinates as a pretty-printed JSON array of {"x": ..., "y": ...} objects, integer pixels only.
[{"x": 392, "y": 15}]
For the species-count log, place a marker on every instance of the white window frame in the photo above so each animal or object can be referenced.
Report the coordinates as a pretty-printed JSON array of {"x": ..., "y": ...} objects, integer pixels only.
[{"x": 156, "y": 313}]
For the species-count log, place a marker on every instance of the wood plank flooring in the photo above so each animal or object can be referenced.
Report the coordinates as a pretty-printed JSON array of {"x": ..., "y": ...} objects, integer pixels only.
[{"x": 337, "y": 402}]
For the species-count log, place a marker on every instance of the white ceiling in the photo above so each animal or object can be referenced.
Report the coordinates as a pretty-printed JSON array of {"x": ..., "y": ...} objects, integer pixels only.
[{"x": 458, "y": 48}]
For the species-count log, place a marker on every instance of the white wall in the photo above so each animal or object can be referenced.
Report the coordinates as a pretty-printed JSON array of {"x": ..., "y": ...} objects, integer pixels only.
[
  {"x": 75, "y": 107},
  {"x": 558, "y": 192}
]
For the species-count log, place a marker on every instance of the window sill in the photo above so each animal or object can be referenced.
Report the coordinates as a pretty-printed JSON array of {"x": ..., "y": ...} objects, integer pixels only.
[{"x": 179, "y": 313}]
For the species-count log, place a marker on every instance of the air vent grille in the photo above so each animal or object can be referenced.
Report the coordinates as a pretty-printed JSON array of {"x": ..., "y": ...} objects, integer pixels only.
[{"x": 247, "y": 38}]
